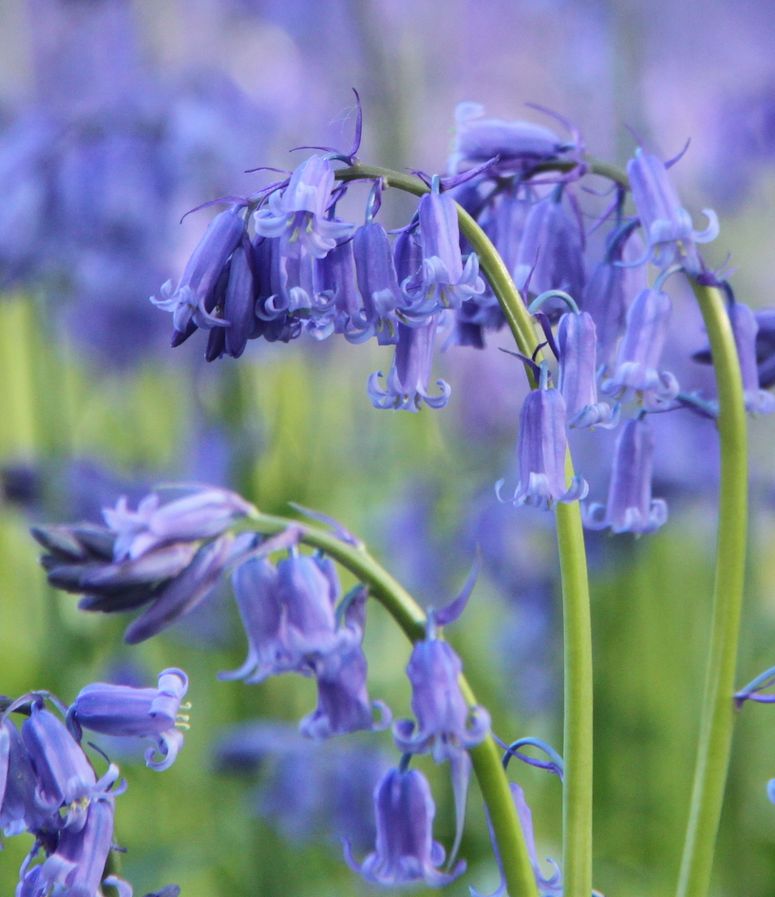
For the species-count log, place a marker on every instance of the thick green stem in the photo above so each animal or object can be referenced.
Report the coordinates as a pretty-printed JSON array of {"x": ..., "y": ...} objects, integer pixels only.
[
  {"x": 520, "y": 878},
  {"x": 577, "y": 731},
  {"x": 717, "y": 719}
]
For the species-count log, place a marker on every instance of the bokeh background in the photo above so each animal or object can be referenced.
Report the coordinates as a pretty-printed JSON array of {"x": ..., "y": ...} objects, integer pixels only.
[{"x": 116, "y": 117}]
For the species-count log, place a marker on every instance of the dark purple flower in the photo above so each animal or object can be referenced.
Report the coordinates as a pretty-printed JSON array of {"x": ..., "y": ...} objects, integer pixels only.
[
  {"x": 299, "y": 211},
  {"x": 190, "y": 302},
  {"x": 577, "y": 342},
  {"x": 636, "y": 372},
  {"x": 541, "y": 450},
  {"x": 630, "y": 508},
  {"x": 137, "y": 712},
  {"x": 406, "y": 386},
  {"x": 668, "y": 226},
  {"x": 19, "y": 810},
  {"x": 405, "y": 850}
]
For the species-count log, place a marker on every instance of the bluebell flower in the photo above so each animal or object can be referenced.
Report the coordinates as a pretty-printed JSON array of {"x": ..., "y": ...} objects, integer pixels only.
[
  {"x": 610, "y": 289},
  {"x": 445, "y": 280},
  {"x": 541, "y": 450},
  {"x": 406, "y": 386},
  {"x": 551, "y": 251},
  {"x": 337, "y": 282},
  {"x": 66, "y": 782},
  {"x": 299, "y": 211},
  {"x": 203, "y": 513},
  {"x": 745, "y": 328},
  {"x": 669, "y": 230},
  {"x": 405, "y": 851},
  {"x": 191, "y": 301},
  {"x": 577, "y": 343},
  {"x": 630, "y": 507},
  {"x": 378, "y": 284},
  {"x": 636, "y": 372},
  {"x": 517, "y": 144},
  {"x": 137, "y": 712},
  {"x": 19, "y": 809},
  {"x": 77, "y": 865},
  {"x": 548, "y": 885},
  {"x": 239, "y": 303}
]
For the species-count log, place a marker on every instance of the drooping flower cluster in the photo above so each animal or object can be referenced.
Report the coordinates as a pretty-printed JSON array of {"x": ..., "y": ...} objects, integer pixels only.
[
  {"x": 50, "y": 789},
  {"x": 282, "y": 262}
]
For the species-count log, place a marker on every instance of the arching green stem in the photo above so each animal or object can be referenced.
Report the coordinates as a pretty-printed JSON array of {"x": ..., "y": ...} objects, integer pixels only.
[
  {"x": 717, "y": 720},
  {"x": 577, "y": 791},
  {"x": 520, "y": 878}
]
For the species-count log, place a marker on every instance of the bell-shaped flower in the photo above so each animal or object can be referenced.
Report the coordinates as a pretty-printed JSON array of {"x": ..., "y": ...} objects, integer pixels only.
[
  {"x": 406, "y": 387},
  {"x": 77, "y": 865},
  {"x": 446, "y": 725},
  {"x": 299, "y": 211},
  {"x": 610, "y": 289},
  {"x": 445, "y": 280},
  {"x": 66, "y": 782},
  {"x": 378, "y": 284},
  {"x": 203, "y": 513},
  {"x": 577, "y": 343},
  {"x": 745, "y": 328},
  {"x": 541, "y": 450},
  {"x": 239, "y": 304},
  {"x": 405, "y": 851},
  {"x": 551, "y": 251},
  {"x": 189, "y": 301},
  {"x": 517, "y": 144},
  {"x": 669, "y": 230},
  {"x": 18, "y": 784},
  {"x": 337, "y": 283},
  {"x": 636, "y": 372},
  {"x": 630, "y": 507},
  {"x": 136, "y": 712}
]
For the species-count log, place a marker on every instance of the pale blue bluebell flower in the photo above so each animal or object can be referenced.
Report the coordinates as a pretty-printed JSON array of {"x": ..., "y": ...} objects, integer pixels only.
[
  {"x": 378, "y": 284},
  {"x": 405, "y": 851},
  {"x": 668, "y": 226},
  {"x": 630, "y": 507},
  {"x": 136, "y": 712},
  {"x": 406, "y": 386},
  {"x": 636, "y": 373},
  {"x": 577, "y": 344},
  {"x": 541, "y": 449},
  {"x": 299, "y": 211},
  {"x": 745, "y": 328}
]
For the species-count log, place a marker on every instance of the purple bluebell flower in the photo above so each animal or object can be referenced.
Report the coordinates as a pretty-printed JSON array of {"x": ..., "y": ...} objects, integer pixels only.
[
  {"x": 636, "y": 372},
  {"x": 337, "y": 282},
  {"x": 541, "y": 451},
  {"x": 765, "y": 347},
  {"x": 745, "y": 328},
  {"x": 405, "y": 850},
  {"x": 668, "y": 226},
  {"x": 517, "y": 144},
  {"x": 137, "y": 712},
  {"x": 406, "y": 386},
  {"x": 551, "y": 252},
  {"x": 66, "y": 782},
  {"x": 203, "y": 513},
  {"x": 378, "y": 284},
  {"x": 19, "y": 809},
  {"x": 548, "y": 886},
  {"x": 610, "y": 289},
  {"x": 189, "y": 302},
  {"x": 77, "y": 864},
  {"x": 445, "y": 280},
  {"x": 299, "y": 211},
  {"x": 630, "y": 507},
  {"x": 577, "y": 342},
  {"x": 239, "y": 303},
  {"x": 446, "y": 725}
]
